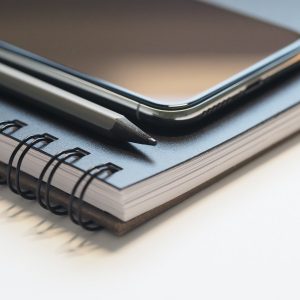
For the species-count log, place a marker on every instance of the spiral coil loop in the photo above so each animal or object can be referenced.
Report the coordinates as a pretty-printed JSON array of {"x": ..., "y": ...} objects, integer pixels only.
[
  {"x": 76, "y": 216},
  {"x": 70, "y": 156},
  {"x": 14, "y": 125},
  {"x": 37, "y": 141},
  {"x": 60, "y": 158}
]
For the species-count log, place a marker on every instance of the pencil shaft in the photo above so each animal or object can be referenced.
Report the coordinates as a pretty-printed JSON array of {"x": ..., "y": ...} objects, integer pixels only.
[{"x": 108, "y": 122}]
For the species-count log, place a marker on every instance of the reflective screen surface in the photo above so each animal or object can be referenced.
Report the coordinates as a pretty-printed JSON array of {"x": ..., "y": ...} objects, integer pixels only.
[{"x": 166, "y": 50}]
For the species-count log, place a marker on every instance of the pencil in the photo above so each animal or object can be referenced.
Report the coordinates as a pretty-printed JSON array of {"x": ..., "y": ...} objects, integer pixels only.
[{"x": 103, "y": 120}]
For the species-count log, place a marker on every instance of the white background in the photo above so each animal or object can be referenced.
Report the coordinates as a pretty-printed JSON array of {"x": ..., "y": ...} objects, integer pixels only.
[{"x": 238, "y": 239}]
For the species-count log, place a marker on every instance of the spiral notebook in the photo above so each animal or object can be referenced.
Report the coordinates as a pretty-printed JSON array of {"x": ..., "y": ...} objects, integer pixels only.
[{"x": 103, "y": 184}]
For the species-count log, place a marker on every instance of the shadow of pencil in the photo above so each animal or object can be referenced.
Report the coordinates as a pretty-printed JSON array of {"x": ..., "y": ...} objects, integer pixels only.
[{"x": 81, "y": 242}]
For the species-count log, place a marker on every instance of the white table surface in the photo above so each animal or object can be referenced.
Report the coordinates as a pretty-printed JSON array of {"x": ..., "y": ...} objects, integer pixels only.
[{"x": 238, "y": 239}]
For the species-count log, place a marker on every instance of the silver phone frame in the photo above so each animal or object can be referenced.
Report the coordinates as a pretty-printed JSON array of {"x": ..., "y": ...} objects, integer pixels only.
[{"x": 188, "y": 111}]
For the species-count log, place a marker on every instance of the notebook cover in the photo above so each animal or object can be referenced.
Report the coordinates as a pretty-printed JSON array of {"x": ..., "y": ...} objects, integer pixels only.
[{"x": 139, "y": 162}]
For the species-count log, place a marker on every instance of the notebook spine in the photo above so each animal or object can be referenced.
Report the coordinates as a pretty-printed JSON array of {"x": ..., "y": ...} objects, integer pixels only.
[{"x": 43, "y": 186}]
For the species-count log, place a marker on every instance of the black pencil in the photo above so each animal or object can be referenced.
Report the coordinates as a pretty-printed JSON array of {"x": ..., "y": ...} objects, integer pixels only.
[{"x": 105, "y": 121}]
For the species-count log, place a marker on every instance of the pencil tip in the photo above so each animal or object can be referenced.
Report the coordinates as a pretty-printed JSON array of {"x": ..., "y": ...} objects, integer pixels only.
[
  {"x": 127, "y": 131},
  {"x": 152, "y": 141}
]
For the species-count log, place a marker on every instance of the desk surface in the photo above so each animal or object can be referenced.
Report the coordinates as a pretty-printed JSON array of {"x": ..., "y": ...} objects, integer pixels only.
[{"x": 238, "y": 239}]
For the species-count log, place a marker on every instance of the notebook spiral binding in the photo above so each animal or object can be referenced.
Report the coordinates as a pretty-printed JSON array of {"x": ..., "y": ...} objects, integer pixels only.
[
  {"x": 70, "y": 156},
  {"x": 10, "y": 126},
  {"x": 77, "y": 217},
  {"x": 60, "y": 158}
]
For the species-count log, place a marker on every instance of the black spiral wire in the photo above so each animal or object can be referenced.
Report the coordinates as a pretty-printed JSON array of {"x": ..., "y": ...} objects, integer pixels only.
[
  {"x": 13, "y": 125},
  {"x": 76, "y": 215},
  {"x": 35, "y": 141},
  {"x": 71, "y": 156}
]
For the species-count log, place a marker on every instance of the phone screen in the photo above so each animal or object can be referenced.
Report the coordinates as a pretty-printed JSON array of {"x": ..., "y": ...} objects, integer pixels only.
[{"x": 168, "y": 50}]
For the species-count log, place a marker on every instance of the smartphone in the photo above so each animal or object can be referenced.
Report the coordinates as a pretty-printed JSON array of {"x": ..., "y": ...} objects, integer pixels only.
[{"x": 166, "y": 62}]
